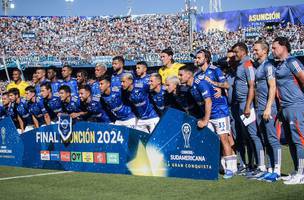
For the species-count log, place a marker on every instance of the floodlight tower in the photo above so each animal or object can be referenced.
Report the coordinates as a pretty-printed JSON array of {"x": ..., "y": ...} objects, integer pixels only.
[
  {"x": 215, "y": 6},
  {"x": 190, "y": 10},
  {"x": 69, "y": 6},
  {"x": 7, "y": 5},
  {"x": 129, "y": 8}
]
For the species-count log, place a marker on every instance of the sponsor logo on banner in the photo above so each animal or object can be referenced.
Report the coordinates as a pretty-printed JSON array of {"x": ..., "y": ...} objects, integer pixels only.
[
  {"x": 45, "y": 155},
  {"x": 100, "y": 157},
  {"x": 3, "y": 133},
  {"x": 186, "y": 131},
  {"x": 87, "y": 157},
  {"x": 76, "y": 156},
  {"x": 65, "y": 156},
  {"x": 113, "y": 158},
  {"x": 65, "y": 126},
  {"x": 55, "y": 155}
]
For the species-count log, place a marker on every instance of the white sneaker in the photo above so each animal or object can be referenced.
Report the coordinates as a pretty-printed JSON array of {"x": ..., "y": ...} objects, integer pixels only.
[
  {"x": 296, "y": 179},
  {"x": 287, "y": 178}
]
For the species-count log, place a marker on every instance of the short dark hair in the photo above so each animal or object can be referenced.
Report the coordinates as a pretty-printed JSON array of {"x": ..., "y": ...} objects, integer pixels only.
[
  {"x": 17, "y": 70},
  {"x": 120, "y": 59},
  {"x": 283, "y": 41},
  {"x": 67, "y": 66},
  {"x": 168, "y": 51},
  {"x": 5, "y": 94},
  {"x": 41, "y": 68},
  {"x": 187, "y": 68},
  {"x": 84, "y": 73},
  {"x": 14, "y": 91},
  {"x": 242, "y": 46},
  {"x": 85, "y": 87},
  {"x": 65, "y": 88},
  {"x": 47, "y": 85},
  {"x": 30, "y": 89},
  {"x": 52, "y": 67},
  {"x": 106, "y": 78},
  {"x": 144, "y": 63}
]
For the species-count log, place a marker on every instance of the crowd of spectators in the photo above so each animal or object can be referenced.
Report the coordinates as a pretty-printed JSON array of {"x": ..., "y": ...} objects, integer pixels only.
[
  {"x": 85, "y": 37},
  {"x": 132, "y": 36},
  {"x": 219, "y": 41}
]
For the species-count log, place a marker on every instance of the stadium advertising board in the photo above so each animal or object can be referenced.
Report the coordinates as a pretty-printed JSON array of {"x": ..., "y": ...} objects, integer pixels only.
[
  {"x": 256, "y": 17},
  {"x": 233, "y": 20},
  {"x": 176, "y": 148}
]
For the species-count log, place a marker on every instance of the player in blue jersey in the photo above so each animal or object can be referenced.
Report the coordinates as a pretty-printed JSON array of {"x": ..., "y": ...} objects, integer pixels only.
[
  {"x": 267, "y": 110},
  {"x": 100, "y": 71},
  {"x": 70, "y": 104},
  {"x": 118, "y": 67},
  {"x": 244, "y": 91},
  {"x": 290, "y": 83},
  {"x": 90, "y": 110},
  {"x": 5, "y": 106},
  {"x": 52, "y": 77},
  {"x": 214, "y": 75},
  {"x": 82, "y": 77},
  {"x": 158, "y": 93},
  {"x": 142, "y": 78},
  {"x": 66, "y": 73},
  {"x": 216, "y": 115},
  {"x": 41, "y": 78},
  {"x": 147, "y": 116},
  {"x": 114, "y": 102},
  {"x": 24, "y": 117},
  {"x": 35, "y": 107},
  {"x": 51, "y": 104}
]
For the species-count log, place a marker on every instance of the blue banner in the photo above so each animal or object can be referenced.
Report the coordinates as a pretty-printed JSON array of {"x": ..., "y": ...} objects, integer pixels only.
[
  {"x": 298, "y": 14},
  {"x": 258, "y": 17},
  {"x": 224, "y": 21},
  {"x": 176, "y": 148}
]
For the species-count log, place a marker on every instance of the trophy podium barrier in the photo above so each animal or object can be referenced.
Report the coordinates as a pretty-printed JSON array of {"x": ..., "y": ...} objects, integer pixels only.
[{"x": 176, "y": 148}]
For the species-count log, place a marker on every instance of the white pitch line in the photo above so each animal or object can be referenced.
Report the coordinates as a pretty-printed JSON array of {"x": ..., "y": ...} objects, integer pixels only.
[{"x": 33, "y": 175}]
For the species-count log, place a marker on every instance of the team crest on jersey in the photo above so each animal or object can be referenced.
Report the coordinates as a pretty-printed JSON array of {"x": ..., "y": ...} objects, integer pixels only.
[{"x": 65, "y": 126}]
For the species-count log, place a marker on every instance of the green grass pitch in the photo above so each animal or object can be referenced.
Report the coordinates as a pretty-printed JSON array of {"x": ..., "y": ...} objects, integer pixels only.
[{"x": 76, "y": 185}]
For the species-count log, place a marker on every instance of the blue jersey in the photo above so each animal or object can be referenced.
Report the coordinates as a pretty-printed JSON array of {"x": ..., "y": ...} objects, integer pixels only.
[
  {"x": 95, "y": 112},
  {"x": 73, "y": 106},
  {"x": 52, "y": 106},
  {"x": 200, "y": 90},
  {"x": 37, "y": 87},
  {"x": 290, "y": 92},
  {"x": 158, "y": 99},
  {"x": 23, "y": 111},
  {"x": 36, "y": 109},
  {"x": 245, "y": 73},
  {"x": 143, "y": 82},
  {"x": 219, "y": 105},
  {"x": 3, "y": 112},
  {"x": 116, "y": 105},
  {"x": 12, "y": 113},
  {"x": 72, "y": 83},
  {"x": 263, "y": 74},
  {"x": 95, "y": 91},
  {"x": 141, "y": 101},
  {"x": 55, "y": 87},
  {"x": 116, "y": 80}
]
